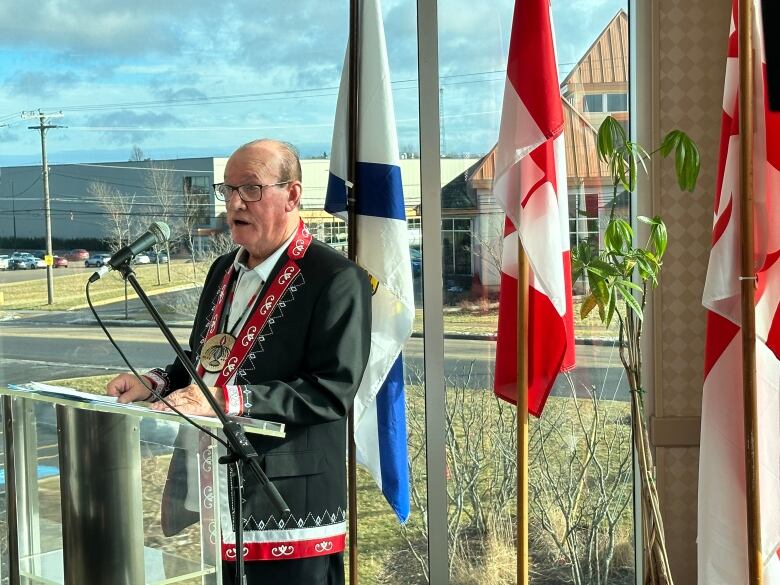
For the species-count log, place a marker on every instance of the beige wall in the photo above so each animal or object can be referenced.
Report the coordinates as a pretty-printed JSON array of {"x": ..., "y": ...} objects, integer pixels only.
[{"x": 681, "y": 52}]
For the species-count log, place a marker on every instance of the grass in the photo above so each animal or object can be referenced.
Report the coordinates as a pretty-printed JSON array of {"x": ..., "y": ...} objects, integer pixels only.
[{"x": 69, "y": 289}]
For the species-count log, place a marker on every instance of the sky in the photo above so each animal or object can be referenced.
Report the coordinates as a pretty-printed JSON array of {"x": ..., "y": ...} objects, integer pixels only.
[{"x": 190, "y": 78}]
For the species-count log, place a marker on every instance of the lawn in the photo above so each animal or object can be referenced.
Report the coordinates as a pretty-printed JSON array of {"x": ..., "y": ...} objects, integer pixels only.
[{"x": 69, "y": 290}]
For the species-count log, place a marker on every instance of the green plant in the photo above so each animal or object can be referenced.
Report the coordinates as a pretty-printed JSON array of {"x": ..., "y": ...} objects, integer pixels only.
[{"x": 623, "y": 270}]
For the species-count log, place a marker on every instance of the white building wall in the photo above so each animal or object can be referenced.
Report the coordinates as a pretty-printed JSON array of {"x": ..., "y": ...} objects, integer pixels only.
[{"x": 75, "y": 212}]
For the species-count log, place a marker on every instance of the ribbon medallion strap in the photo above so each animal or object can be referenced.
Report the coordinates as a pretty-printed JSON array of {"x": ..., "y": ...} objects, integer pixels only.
[{"x": 264, "y": 309}]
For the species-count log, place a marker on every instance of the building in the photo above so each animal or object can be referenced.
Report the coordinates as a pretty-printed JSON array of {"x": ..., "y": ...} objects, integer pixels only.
[
  {"x": 97, "y": 200},
  {"x": 473, "y": 223}
]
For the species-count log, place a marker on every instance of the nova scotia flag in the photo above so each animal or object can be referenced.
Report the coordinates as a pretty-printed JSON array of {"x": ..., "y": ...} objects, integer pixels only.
[{"x": 383, "y": 250}]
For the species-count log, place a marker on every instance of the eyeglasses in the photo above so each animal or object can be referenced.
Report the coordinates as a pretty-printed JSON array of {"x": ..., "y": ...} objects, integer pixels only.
[{"x": 248, "y": 193}]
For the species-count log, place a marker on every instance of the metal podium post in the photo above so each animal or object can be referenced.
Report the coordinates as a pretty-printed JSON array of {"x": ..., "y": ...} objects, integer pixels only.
[{"x": 102, "y": 513}]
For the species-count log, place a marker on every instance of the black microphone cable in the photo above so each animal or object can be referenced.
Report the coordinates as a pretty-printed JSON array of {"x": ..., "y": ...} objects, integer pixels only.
[{"x": 153, "y": 392}]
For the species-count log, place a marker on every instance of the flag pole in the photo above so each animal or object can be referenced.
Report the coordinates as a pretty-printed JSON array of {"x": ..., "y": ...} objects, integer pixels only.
[
  {"x": 522, "y": 413},
  {"x": 352, "y": 149},
  {"x": 747, "y": 285}
]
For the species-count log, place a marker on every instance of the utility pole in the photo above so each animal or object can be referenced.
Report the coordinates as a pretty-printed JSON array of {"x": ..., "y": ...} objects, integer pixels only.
[
  {"x": 43, "y": 126},
  {"x": 13, "y": 211}
]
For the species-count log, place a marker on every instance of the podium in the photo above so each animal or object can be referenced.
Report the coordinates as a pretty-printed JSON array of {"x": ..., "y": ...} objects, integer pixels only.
[{"x": 84, "y": 484}]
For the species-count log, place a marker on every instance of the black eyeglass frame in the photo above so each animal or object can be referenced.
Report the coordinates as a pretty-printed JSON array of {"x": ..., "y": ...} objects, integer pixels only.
[{"x": 233, "y": 189}]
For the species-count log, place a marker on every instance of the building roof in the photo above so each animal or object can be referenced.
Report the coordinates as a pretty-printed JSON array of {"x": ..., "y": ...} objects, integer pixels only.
[
  {"x": 582, "y": 163},
  {"x": 606, "y": 61}
]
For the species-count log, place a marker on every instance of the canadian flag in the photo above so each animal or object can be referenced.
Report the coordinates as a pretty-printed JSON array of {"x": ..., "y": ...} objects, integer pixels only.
[
  {"x": 530, "y": 184},
  {"x": 722, "y": 539}
]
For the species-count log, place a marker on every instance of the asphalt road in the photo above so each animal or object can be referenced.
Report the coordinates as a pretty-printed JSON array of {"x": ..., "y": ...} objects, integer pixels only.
[{"x": 32, "y": 350}]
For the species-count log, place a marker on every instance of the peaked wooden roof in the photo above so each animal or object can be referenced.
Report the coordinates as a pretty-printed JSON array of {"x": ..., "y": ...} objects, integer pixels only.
[
  {"x": 606, "y": 61},
  {"x": 582, "y": 160}
]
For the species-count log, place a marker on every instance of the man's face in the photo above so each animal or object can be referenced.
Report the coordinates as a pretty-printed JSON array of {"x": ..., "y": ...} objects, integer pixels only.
[{"x": 260, "y": 226}]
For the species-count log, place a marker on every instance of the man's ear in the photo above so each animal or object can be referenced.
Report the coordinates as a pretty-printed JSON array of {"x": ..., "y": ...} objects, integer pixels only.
[{"x": 294, "y": 192}]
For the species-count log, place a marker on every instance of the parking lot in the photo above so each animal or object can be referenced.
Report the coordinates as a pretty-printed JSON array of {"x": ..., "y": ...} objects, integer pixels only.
[{"x": 8, "y": 276}]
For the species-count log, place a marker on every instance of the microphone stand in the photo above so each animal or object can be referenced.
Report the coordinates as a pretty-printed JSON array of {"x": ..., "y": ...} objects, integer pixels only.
[{"x": 241, "y": 452}]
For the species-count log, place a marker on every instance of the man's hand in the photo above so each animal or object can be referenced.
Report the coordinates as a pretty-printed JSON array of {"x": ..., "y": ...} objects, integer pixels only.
[
  {"x": 127, "y": 388},
  {"x": 190, "y": 400}
]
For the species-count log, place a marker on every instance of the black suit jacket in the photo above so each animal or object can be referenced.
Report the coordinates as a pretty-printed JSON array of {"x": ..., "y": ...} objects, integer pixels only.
[{"x": 303, "y": 370}]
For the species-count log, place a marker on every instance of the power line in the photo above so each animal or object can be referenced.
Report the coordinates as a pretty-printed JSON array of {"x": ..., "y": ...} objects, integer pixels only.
[
  {"x": 149, "y": 168},
  {"x": 282, "y": 95}
]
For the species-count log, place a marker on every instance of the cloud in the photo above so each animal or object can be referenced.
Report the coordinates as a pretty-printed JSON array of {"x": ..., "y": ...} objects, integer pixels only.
[
  {"x": 87, "y": 27},
  {"x": 301, "y": 47},
  {"x": 8, "y": 135},
  {"x": 282, "y": 60},
  {"x": 131, "y": 127},
  {"x": 40, "y": 84},
  {"x": 180, "y": 94}
]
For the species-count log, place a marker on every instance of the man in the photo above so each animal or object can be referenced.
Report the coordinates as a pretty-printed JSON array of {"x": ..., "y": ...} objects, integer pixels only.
[{"x": 282, "y": 333}]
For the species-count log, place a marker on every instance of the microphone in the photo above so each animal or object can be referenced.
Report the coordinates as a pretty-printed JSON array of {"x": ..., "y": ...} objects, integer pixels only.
[{"x": 158, "y": 233}]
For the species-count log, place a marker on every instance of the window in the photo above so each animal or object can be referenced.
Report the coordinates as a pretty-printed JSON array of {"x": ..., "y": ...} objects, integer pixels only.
[
  {"x": 199, "y": 185},
  {"x": 332, "y": 232},
  {"x": 617, "y": 102},
  {"x": 456, "y": 248},
  {"x": 198, "y": 200},
  {"x": 594, "y": 102},
  {"x": 481, "y": 444},
  {"x": 605, "y": 102}
]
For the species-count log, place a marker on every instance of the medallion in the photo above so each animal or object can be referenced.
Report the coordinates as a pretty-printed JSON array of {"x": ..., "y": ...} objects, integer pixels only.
[{"x": 216, "y": 351}]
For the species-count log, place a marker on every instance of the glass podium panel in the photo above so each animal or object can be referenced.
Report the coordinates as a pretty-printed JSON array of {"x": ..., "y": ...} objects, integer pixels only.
[
  {"x": 130, "y": 490},
  {"x": 160, "y": 568}
]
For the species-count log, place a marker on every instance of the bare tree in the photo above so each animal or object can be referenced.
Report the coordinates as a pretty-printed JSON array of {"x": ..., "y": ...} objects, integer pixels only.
[
  {"x": 137, "y": 155},
  {"x": 118, "y": 209},
  {"x": 488, "y": 246},
  {"x": 219, "y": 245},
  {"x": 580, "y": 487},
  {"x": 193, "y": 212},
  {"x": 159, "y": 182},
  {"x": 581, "y": 490}
]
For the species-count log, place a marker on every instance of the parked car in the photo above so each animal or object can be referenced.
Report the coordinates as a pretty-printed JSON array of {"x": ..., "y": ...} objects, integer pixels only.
[
  {"x": 161, "y": 257},
  {"x": 97, "y": 260},
  {"x": 141, "y": 259},
  {"x": 22, "y": 261},
  {"x": 79, "y": 254},
  {"x": 40, "y": 263},
  {"x": 4, "y": 259},
  {"x": 60, "y": 262}
]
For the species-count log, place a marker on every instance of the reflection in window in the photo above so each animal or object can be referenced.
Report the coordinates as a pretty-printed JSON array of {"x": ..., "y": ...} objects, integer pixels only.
[
  {"x": 593, "y": 102},
  {"x": 617, "y": 102},
  {"x": 197, "y": 197},
  {"x": 456, "y": 246}
]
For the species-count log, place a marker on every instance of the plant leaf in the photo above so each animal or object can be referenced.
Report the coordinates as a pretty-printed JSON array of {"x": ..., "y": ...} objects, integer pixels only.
[
  {"x": 610, "y": 138},
  {"x": 610, "y": 308},
  {"x": 600, "y": 292},
  {"x": 618, "y": 236},
  {"x": 670, "y": 142},
  {"x": 687, "y": 161},
  {"x": 631, "y": 301},
  {"x": 588, "y": 304},
  {"x": 659, "y": 236}
]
